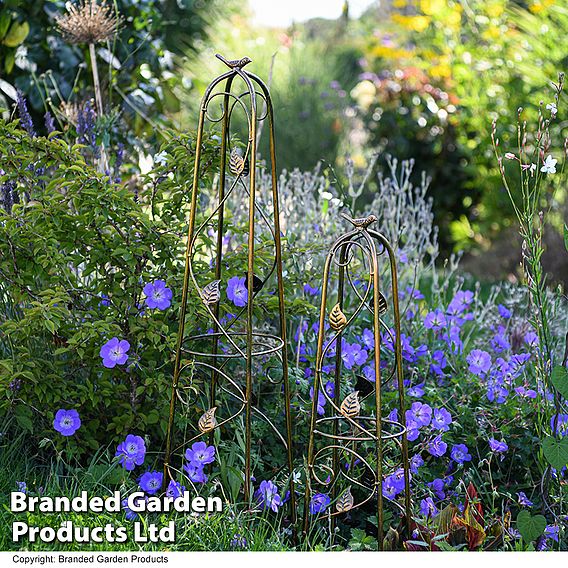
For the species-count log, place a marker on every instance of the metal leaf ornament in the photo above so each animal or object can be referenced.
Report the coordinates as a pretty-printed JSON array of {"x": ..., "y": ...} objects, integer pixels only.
[
  {"x": 257, "y": 283},
  {"x": 337, "y": 319},
  {"x": 345, "y": 501},
  {"x": 351, "y": 406},
  {"x": 383, "y": 305},
  {"x": 237, "y": 164},
  {"x": 211, "y": 294},
  {"x": 207, "y": 422}
]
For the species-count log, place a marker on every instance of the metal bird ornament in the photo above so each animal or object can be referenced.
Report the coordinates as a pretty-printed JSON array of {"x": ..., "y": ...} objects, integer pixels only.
[
  {"x": 361, "y": 223},
  {"x": 234, "y": 63}
]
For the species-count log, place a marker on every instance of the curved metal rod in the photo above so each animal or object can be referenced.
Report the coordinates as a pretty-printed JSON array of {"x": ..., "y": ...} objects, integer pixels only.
[
  {"x": 374, "y": 246},
  {"x": 282, "y": 308}
]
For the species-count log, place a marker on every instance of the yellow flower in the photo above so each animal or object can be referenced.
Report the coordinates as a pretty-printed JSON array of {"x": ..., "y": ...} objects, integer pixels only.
[
  {"x": 386, "y": 51},
  {"x": 495, "y": 9},
  {"x": 492, "y": 32},
  {"x": 432, "y": 7},
  {"x": 540, "y": 5},
  {"x": 452, "y": 18},
  {"x": 415, "y": 23}
]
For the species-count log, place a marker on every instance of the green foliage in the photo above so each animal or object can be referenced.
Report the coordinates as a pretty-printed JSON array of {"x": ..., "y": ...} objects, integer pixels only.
[
  {"x": 136, "y": 66},
  {"x": 75, "y": 254},
  {"x": 559, "y": 380},
  {"x": 530, "y": 526},
  {"x": 555, "y": 452},
  {"x": 308, "y": 82}
]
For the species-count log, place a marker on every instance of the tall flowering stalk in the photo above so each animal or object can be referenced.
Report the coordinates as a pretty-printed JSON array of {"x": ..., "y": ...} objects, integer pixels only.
[
  {"x": 89, "y": 22},
  {"x": 538, "y": 175}
]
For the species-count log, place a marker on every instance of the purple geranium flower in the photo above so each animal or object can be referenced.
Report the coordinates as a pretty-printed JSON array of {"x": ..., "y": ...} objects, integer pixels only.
[
  {"x": 416, "y": 391},
  {"x": 330, "y": 388},
  {"x": 437, "y": 487},
  {"x": 524, "y": 501},
  {"x": 131, "y": 452},
  {"x": 441, "y": 419},
  {"x": 479, "y": 362},
  {"x": 419, "y": 413},
  {"x": 151, "y": 482},
  {"x": 321, "y": 401},
  {"x": 504, "y": 312},
  {"x": 310, "y": 291},
  {"x": 267, "y": 496},
  {"x": 175, "y": 489},
  {"x": 352, "y": 354},
  {"x": 239, "y": 541},
  {"x": 435, "y": 320},
  {"x": 237, "y": 291},
  {"x": 531, "y": 339},
  {"x": 412, "y": 430},
  {"x": 428, "y": 508},
  {"x": 437, "y": 447},
  {"x": 195, "y": 472},
  {"x": 416, "y": 462},
  {"x": 390, "y": 488},
  {"x": 368, "y": 339},
  {"x": 319, "y": 503},
  {"x": 129, "y": 513},
  {"x": 200, "y": 453},
  {"x": 114, "y": 352},
  {"x": 497, "y": 446},
  {"x": 460, "y": 453},
  {"x": 158, "y": 295},
  {"x": 66, "y": 422}
]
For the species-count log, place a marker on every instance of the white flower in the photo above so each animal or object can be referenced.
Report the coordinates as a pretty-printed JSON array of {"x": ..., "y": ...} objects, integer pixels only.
[
  {"x": 552, "y": 108},
  {"x": 533, "y": 169},
  {"x": 549, "y": 166},
  {"x": 161, "y": 158}
]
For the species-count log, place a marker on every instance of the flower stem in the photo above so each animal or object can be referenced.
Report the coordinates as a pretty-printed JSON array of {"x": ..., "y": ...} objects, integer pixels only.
[{"x": 103, "y": 162}]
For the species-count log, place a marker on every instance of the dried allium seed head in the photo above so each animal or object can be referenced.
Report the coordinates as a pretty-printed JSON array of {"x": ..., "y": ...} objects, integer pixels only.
[
  {"x": 88, "y": 22},
  {"x": 70, "y": 111}
]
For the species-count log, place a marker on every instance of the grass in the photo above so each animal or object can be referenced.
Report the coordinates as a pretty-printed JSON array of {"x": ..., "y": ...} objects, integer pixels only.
[{"x": 211, "y": 532}]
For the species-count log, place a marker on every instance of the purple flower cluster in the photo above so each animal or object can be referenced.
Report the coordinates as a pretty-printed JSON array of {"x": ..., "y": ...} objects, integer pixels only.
[
  {"x": 393, "y": 484},
  {"x": 319, "y": 503},
  {"x": 267, "y": 496},
  {"x": 198, "y": 456}
]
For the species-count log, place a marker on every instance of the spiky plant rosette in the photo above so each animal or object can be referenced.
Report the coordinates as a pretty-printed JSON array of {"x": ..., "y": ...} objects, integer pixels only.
[{"x": 88, "y": 22}]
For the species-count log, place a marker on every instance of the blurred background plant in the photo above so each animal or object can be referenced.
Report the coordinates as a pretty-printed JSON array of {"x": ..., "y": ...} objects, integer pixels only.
[{"x": 46, "y": 54}]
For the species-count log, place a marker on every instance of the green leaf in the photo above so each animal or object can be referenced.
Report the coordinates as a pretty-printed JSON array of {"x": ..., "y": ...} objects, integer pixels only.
[
  {"x": 559, "y": 379},
  {"x": 17, "y": 34},
  {"x": 4, "y": 23},
  {"x": 566, "y": 237},
  {"x": 555, "y": 451},
  {"x": 530, "y": 527}
]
